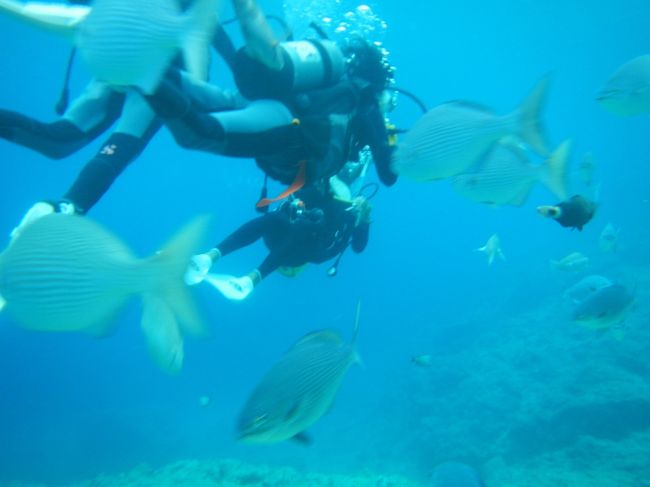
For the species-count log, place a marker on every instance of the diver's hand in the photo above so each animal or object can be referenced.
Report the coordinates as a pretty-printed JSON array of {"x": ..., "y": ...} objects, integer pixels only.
[{"x": 197, "y": 269}]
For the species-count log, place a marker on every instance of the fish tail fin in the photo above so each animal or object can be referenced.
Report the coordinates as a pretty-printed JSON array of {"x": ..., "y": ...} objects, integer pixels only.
[
  {"x": 355, "y": 331},
  {"x": 530, "y": 125},
  {"x": 554, "y": 175},
  {"x": 201, "y": 21},
  {"x": 168, "y": 268},
  {"x": 162, "y": 333},
  {"x": 501, "y": 255}
]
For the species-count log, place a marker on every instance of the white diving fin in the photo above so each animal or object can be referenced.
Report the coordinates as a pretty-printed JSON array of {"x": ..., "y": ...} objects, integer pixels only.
[{"x": 54, "y": 17}]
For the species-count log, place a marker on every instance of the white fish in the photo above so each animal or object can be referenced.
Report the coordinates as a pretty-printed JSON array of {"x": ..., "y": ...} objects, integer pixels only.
[
  {"x": 492, "y": 249},
  {"x": 627, "y": 91},
  {"x": 131, "y": 43},
  {"x": 574, "y": 262},
  {"x": 586, "y": 169},
  {"x": 608, "y": 239},
  {"x": 299, "y": 389},
  {"x": 604, "y": 308},
  {"x": 450, "y": 138},
  {"x": 585, "y": 287},
  {"x": 67, "y": 273},
  {"x": 506, "y": 176}
]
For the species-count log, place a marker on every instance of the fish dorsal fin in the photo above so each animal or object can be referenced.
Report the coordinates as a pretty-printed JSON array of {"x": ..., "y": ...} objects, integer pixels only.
[
  {"x": 470, "y": 105},
  {"x": 320, "y": 336}
]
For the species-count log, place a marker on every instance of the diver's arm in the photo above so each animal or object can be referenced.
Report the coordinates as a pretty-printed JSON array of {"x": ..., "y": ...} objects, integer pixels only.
[
  {"x": 373, "y": 132},
  {"x": 58, "y": 18}
]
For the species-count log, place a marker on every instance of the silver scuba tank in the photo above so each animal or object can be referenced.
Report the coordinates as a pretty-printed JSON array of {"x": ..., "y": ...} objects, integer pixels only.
[{"x": 315, "y": 63}]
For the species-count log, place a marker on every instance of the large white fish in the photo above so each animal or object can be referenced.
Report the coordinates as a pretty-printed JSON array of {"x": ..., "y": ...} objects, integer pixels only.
[
  {"x": 66, "y": 273},
  {"x": 127, "y": 42},
  {"x": 131, "y": 43},
  {"x": 298, "y": 389},
  {"x": 627, "y": 91},
  {"x": 506, "y": 176},
  {"x": 450, "y": 138}
]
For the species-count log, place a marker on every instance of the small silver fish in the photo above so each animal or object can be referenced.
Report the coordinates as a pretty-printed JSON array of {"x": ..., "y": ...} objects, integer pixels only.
[
  {"x": 574, "y": 262},
  {"x": 450, "y": 138},
  {"x": 608, "y": 239},
  {"x": 627, "y": 91},
  {"x": 586, "y": 169},
  {"x": 422, "y": 360},
  {"x": 492, "y": 249},
  {"x": 298, "y": 389}
]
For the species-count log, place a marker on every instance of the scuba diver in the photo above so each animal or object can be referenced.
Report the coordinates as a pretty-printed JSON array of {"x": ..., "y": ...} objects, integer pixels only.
[
  {"x": 575, "y": 212},
  {"x": 313, "y": 106},
  {"x": 99, "y": 107},
  {"x": 310, "y": 226}
]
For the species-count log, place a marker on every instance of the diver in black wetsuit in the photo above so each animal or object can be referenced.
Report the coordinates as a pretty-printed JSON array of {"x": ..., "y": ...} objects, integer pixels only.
[
  {"x": 314, "y": 105},
  {"x": 575, "y": 212},
  {"x": 91, "y": 114},
  {"x": 311, "y": 227}
]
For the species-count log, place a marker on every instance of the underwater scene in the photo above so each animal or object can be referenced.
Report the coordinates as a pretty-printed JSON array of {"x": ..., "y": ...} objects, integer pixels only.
[{"x": 325, "y": 243}]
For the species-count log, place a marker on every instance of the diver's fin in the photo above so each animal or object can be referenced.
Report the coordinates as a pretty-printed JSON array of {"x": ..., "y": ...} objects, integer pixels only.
[
  {"x": 201, "y": 21},
  {"x": 169, "y": 267},
  {"x": 554, "y": 174},
  {"x": 57, "y": 18},
  {"x": 302, "y": 438},
  {"x": 232, "y": 287},
  {"x": 163, "y": 336},
  {"x": 530, "y": 125}
]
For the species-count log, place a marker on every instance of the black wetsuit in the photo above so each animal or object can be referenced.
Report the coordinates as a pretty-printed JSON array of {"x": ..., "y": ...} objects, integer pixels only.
[
  {"x": 90, "y": 115},
  {"x": 576, "y": 212},
  {"x": 324, "y": 127},
  {"x": 321, "y": 233}
]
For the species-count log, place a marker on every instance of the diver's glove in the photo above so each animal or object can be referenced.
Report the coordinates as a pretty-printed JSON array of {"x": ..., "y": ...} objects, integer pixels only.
[
  {"x": 199, "y": 266},
  {"x": 39, "y": 210}
]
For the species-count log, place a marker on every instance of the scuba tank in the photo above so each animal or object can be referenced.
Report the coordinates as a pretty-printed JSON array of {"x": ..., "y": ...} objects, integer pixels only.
[{"x": 314, "y": 63}]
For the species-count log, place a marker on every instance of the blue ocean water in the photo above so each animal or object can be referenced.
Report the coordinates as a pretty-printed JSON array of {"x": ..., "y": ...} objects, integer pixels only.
[{"x": 72, "y": 406}]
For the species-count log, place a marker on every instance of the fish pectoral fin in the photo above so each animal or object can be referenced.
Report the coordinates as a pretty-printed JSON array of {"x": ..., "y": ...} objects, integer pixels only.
[
  {"x": 302, "y": 438},
  {"x": 56, "y": 18},
  {"x": 201, "y": 24}
]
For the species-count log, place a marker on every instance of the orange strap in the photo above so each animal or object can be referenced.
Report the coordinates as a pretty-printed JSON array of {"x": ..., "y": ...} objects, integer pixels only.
[{"x": 298, "y": 183}]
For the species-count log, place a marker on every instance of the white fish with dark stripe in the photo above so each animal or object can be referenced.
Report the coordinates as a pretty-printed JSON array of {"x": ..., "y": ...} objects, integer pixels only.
[
  {"x": 506, "y": 176},
  {"x": 299, "y": 388},
  {"x": 450, "y": 138},
  {"x": 132, "y": 42},
  {"x": 67, "y": 273},
  {"x": 627, "y": 91}
]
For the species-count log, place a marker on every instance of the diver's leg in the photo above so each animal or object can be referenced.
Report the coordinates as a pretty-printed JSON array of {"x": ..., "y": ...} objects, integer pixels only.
[
  {"x": 206, "y": 97},
  {"x": 261, "y": 43},
  {"x": 263, "y": 127},
  {"x": 133, "y": 132},
  {"x": 90, "y": 114},
  {"x": 248, "y": 233}
]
